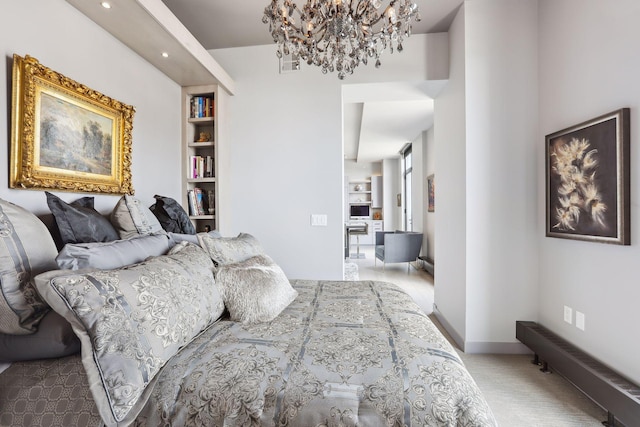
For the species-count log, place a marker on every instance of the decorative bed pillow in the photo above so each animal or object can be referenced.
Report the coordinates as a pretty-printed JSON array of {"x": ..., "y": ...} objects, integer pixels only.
[
  {"x": 79, "y": 222},
  {"x": 115, "y": 254},
  {"x": 26, "y": 249},
  {"x": 192, "y": 238},
  {"x": 255, "y": 290},
  {"x": 130, "y": 321},
  {"x": 54, "y": 338},
  {"x": 230, "y": 250},
  {"x": 172, "y": 216},
  {"x": 131, "y": 218}
]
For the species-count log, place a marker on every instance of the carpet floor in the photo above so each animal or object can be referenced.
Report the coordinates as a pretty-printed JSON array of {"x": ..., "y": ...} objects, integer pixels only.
[{"x": 520, "y": 395}]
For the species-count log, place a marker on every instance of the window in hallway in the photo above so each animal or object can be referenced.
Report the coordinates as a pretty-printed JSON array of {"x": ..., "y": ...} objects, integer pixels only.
[{"x": 407, "y": 170}]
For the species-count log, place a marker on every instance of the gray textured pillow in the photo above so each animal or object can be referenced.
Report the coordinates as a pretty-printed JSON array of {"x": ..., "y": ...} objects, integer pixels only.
[
  {"x": 230, "y": 250},
  {"x": 255, "y": 290},
  {"x": 171, "y": 215},
  {"x": 54, "y": 338},
  {"x": 130, "y": 321},
  {"x": 110, "y": 255},
  {"x": 131, "y": 218},
  {"x": 26, "y": 249}
]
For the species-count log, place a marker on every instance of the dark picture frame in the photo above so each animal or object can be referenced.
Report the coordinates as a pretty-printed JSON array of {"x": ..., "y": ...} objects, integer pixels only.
[
  {"x": 431, "y": 197},
  {"x": 587, "y": 180},
  {"x": 66, "y": 136}
]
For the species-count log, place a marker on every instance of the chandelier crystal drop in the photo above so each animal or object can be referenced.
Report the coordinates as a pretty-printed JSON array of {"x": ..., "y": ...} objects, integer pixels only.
[{"x": 339, "y": 35}]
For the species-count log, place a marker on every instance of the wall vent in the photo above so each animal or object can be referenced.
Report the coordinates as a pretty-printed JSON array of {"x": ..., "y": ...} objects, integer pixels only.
[
  {"x": 617, "y": 395},
  {"x": 289, "y": 63}
]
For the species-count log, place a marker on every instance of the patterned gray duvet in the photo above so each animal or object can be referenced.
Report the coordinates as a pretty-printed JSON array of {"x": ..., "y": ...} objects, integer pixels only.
[{"x": 342, "y": 354}]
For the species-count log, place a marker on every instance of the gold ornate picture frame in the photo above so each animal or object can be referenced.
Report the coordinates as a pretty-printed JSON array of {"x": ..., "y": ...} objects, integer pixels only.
[{"x": 66, "y": 136}]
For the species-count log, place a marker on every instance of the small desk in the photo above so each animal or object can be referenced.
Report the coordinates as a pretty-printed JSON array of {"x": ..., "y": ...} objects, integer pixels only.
[{"x": 357, "y": 229}]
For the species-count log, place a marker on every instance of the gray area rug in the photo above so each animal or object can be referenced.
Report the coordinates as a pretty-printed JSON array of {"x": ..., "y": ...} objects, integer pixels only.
[{"x": 351, "y": 271}]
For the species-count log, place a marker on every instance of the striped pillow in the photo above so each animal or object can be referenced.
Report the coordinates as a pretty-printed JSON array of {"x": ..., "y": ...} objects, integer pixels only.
[{"x": 26, "y": 249}]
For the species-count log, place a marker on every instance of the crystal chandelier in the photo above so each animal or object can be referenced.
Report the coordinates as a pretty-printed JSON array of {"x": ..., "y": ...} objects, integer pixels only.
[{"x": 338, "y": 35}]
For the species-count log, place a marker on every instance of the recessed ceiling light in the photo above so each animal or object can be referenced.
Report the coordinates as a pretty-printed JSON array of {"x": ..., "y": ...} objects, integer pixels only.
[
  {"x": 165, "y": 55},
  {"x": 106, "y": 4}
]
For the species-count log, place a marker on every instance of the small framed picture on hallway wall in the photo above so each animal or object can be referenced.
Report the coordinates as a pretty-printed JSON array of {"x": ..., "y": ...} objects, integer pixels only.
[{"x": 431, "y": 206}]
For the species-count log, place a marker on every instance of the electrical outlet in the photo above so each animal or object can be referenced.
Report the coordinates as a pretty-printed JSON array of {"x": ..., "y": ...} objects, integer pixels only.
[
  {"x": 580, "y": 320},
  {"x": 568, "y": 315}
]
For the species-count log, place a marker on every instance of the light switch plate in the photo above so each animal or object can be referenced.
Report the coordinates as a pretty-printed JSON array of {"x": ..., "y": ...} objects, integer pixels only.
[{"x": 318, "y": 220}]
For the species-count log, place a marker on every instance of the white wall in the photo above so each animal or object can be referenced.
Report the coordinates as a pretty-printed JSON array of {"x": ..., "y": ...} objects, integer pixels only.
[
  {"x": 392, "y": 186},
  {"x": 501, "y": 95},
  {"x": 428, "y": 221},
  {"x": 68, "y": 42},
  {"x": 287, "y": 150},
  {"x": 585, "y": 72},
  {"x": 486, "y": 247},
  {"x": 418, "y": 184},
  {"x": 449, "y": 150}
]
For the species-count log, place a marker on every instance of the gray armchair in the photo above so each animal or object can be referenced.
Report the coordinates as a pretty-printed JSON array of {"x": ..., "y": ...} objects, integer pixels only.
[{"x": 397, "y": 246}]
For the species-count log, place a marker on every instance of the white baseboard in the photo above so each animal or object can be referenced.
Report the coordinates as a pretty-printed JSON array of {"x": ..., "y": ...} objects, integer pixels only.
[
  {"x": 447, "y": 326},
  {"x": 496, "y": 348},
  {"x": 480, "y": 347}
]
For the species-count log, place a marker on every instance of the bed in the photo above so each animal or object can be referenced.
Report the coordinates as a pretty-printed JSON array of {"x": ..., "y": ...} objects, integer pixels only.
[
  {"x": 213, "y": 334},
  {"x": 343, "y": 353}
]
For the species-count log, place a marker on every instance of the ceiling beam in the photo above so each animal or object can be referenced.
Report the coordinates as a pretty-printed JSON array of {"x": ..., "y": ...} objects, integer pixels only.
[{"x": 149, "y": 28}]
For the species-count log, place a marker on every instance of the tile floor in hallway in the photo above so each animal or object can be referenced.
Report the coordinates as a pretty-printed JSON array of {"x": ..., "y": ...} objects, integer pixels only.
[{"x": 414, "y": 280}]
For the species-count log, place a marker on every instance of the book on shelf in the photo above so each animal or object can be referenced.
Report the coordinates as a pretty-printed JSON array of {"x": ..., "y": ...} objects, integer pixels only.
[
  {"x": 193, "y": 167},
  {"x": 201, "y": 167},
  {"x": 208, "y": 167},
  {"x": 202, "y": 106},
  {"x": 197, "y": 200},
  {"x": 192, "y": 202}
]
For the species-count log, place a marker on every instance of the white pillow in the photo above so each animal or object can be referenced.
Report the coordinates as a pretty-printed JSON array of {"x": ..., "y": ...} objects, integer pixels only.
[
  {"x": 230, "y": 250},
  {"x": 255, "y": 290}
]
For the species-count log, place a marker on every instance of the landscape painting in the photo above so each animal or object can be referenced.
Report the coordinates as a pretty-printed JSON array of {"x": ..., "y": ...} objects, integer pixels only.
[{"x": 74, "y": 138}]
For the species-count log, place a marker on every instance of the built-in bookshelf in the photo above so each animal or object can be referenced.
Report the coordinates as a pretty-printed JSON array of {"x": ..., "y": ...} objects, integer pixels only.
[
  {"x": 365, "y": 192},
  {"x": 199, "y": 142},
  {"x": 360, "y": 192}
]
